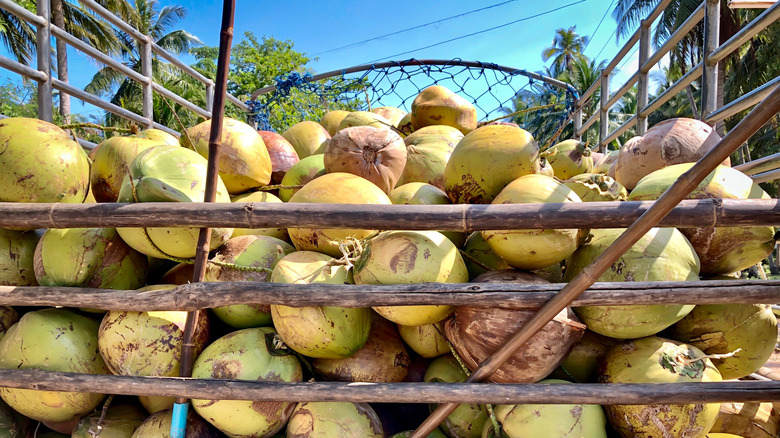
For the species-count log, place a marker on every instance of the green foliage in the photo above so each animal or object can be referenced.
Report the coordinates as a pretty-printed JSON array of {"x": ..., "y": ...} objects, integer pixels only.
[{"x": 567, "y": 46}]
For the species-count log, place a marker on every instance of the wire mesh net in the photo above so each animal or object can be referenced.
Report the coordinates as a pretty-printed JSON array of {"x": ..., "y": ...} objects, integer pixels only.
[{"x": 496, "y": 92}]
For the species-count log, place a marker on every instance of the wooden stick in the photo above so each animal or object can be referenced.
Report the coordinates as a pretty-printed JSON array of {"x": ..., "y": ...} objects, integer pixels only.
[
  {"x": 417, "y": 392},
  {"x": 191, "y": 297},
  {"x": 684, "y": 185},
  {"x": 460, "y": 217}
]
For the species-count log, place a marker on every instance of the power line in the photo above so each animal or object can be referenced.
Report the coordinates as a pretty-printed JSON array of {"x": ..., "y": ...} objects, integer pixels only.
[
  {"x": 598, "y": 26},
  {"x": 481, "y": 31},
  {"x": 605, "y": 45},
  {"x": 416, "y": 27}
]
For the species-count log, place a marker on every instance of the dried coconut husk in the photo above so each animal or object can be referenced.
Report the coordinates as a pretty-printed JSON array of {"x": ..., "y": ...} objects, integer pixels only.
[
  {"x": 378, "y": 155},
  {"x": 748, "y": 420},
  {"x": 478, "y": 332}
]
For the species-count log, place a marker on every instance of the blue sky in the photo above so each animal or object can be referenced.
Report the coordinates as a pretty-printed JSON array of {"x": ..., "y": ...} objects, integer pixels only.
[{"x": 317, "y": 27}]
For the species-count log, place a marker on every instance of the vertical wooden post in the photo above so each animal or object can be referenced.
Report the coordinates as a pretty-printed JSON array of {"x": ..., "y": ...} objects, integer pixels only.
[
  {"x": 577, "y": 120},
  {"x": 43, "y": 41},
  {"x": 604, "y": 112},
  {"x": 643, "y": 85},
  {"x": 709, "y": 92},
  {"x": 148, "y": 87}
]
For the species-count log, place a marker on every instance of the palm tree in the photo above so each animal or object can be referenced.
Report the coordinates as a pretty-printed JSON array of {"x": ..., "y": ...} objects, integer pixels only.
[
  {"x": 566, "y": 47},
  {"x": 16, "y": 34}
]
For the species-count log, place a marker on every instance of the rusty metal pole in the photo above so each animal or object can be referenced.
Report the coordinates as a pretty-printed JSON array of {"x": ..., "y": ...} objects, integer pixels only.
[
  {"x": 179, "y": 421},
  {"x": 677, "y": 192}
]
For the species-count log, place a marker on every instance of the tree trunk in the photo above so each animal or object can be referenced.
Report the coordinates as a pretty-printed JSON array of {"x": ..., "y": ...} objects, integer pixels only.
[{"x": 58, "y": 20}]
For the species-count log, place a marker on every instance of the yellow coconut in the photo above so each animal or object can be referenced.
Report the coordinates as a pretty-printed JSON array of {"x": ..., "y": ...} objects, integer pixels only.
[
  {"x": 427, "y": 340},
  {"x": 418, "y": 193},
  {"x": 534, "y": 249},
  {"x": 569, "y": 158},
  {"x": 436, "y": 105},
  {"x": 365, "y": 118},
  {"x": 159, "y": 136},
  {"x": 279, "y": 233},
  {"x": 17, "y": 257},
  {"x": 306, "y": 137},
  {"x": 334, "y": 420},
  {"x": 337, "y": 188},
  {"x": 331, "y": 120},
  {"x": 110, "y": 160},
  {"x": 595, "y": 187},
  {"x": 428, "y": 151},
  {"x": 391, "y": 113}
]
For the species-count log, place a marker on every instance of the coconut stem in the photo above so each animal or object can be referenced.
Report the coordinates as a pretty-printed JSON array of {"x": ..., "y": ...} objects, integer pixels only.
[
  {"x": 686, "y": 361},
  {"x": 270, "y": 187},
  {"x": 475, "y": 261},
  {"x": 181, "y": 124},
  {"x": 99, "y": 425}
]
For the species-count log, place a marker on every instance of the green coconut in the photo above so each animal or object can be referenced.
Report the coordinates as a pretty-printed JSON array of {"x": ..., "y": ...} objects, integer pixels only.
[
  {"x": 745, "y": 333},
  {"x": 581, "y": 364},
  {"x": 337, "y": 188},
  {"x": 569, "y": 158},
  {"x": 88, "y": 257},
  {"x": 437, "y": 105},
  {"x": 595, "y": 187},
  {"x": 247, "y": 354},
  {"x": 603, "y": 164},
  {"x": 318, "y": 331},
  {"x": 306, "y": 137},
  {"x": 409, "y": 257},
  {"x": 17, "y": 257},
  {"x": 279, "y": 233},
  {"x": 120, "y": 421},
  {"x": 365, "y": 118},
  {"x": 551, "y": 421},
  {"x": 334, "y": 420},
  {"x": 437, "y": 433},
  {"x": 722, "y": 250},
  {"x": 486, "y": 160},
  {"x": 52, "y": 340},
  {"x": 300, "y": 174},
  {"x": 331, "y": 120},
  {"x": 8, "y": 317},
  {"x": 427, "y": 340},
  {"x": 110, "y": 160},
  {"x": 658, "y": 360},
  {"x": 244, "y": 162},
  {"x": 260, "y": 253},
  {"x": 479, "y": 257},
  {"x": 169, "y": 174},
  {"x": 12, "y": 424},
  {"x": 383, "y": 358},
  {"x": 663, "y": 254},
  {"x": 158, "y": 425},
  {"x": 428, "y": 151},
  {"x": 391, "y": 113},
  {"x": 466, "y": 421},
  {"x": 41, "y": 163},
  {"x": 534, "y": 249},
  {"x": 418, "y": 193},
  {"x": 405, "y": 124}
]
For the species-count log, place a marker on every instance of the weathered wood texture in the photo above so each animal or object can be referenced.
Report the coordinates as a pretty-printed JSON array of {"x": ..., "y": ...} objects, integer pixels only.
[
  {"x": 702, "y": 212},
  {"x": 594, "y": 393},
  {"x": 507, "y": 295}
]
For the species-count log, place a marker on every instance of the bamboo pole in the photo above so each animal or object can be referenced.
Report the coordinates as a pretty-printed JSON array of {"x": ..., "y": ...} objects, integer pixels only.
[
  {"x": 179, "y": 421},
  {"x": 458, "y": 217},
  {"x": 416, "y": 392},
  {"x": 677, "y": 192},
  {"x": 205, "y": 295}
]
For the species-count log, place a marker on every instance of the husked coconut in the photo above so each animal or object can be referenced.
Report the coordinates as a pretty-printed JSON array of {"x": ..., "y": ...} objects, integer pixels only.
[
  {"x": 282, "y": 154},
  {"x": 378, "y": 155}
]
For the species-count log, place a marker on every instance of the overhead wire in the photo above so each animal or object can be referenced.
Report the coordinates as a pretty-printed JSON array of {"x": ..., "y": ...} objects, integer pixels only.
[{"x": 598, "y": 26}]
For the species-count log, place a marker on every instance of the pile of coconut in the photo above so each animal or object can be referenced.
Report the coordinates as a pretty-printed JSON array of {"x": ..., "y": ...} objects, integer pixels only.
[{"x": 435, "y": 154}]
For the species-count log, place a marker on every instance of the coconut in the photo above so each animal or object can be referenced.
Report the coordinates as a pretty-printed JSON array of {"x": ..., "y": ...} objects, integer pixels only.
[
  {"x": 320, "y": 331},
  {"x": 427, "y": 153},
  {"x": 545, "y": 168},
  {"x": 437, "y": 433},
  {"x": 12, "y": 424},
  {"x": 169, "y": 174},
  {"x": 478, "y": 332},
  {"x": 409, "y": 257},
  {"x": 382, "y": 358},
  {"x": 427, "y": 340},
  {"x": 534, "y": 249},
  {"x": 17, "y": 257},
  {"x": 159, "y": 426},
  {"x": 595, "y": 187},
  {"x": 8, "y": 317},
  {"x": 669, "y": 142},
  {"x": 338, "y": 188},
  {"x": 183, "y": 273},
  {"x": 246, "y": 354},
  {"x": 378, "y": 155},
  {"x": 244, "y": 162},
  {"x": 436, "y": 105},
  {"x": 332, "y": 119},
  {"x": 159, "y": 136},
  {"x": 581, "y": 364},
  {"x": 418, "y": 193},
  {"x": 334, "y": 420},
  {"x": 602, "y": 164},
  {"x": 569, "y": 158},
  {"x": 258, "y": 253},
  {"x": 110, "y": 160},
  {"x": 551, "y": 421},
  {"x": 120, "y": 421},
  {"x": 478, "y": 167},
  {"x": 88, "y": 257},
  {"x": 300, "y": 174},
  {"x": 466, "y": 421},
  {"x": 391, "y": 113},
  {"x": 405, "y": 124},
  {"x": 657, "y": 360},
  {"x": 722, "y": 250},
  {"x": 479, "y": 257},
  {"x": 365, "y": 118},
  {"x": 749, "y": 331},
  {"x": 663, "y": 254},
  {"x": 41, "y": 163},
  {"x": 279, "y": 233},
  {"x": 748, "y": 420},
  {"x": 52, "y": 340},
  {"x": 282, "y": 154},
  {"x": 306, "y": 137}
]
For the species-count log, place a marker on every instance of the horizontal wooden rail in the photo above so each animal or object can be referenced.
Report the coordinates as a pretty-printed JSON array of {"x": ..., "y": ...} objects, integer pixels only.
[
  {"x": 679, "y": 33},
  {"x": 408, "y": 392},
  {"x": 207, "y": 295},
  {"x": 458, "y": 217}
]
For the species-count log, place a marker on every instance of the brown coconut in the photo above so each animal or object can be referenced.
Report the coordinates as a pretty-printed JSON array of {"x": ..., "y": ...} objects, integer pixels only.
[
  {"x": 748, "y": 420},
  {"x": 670, "y": 142},
  {"x": 478, "y": 332},
  {"x": 282, "y": 153},
  {"x": 378, "y": 155}
]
